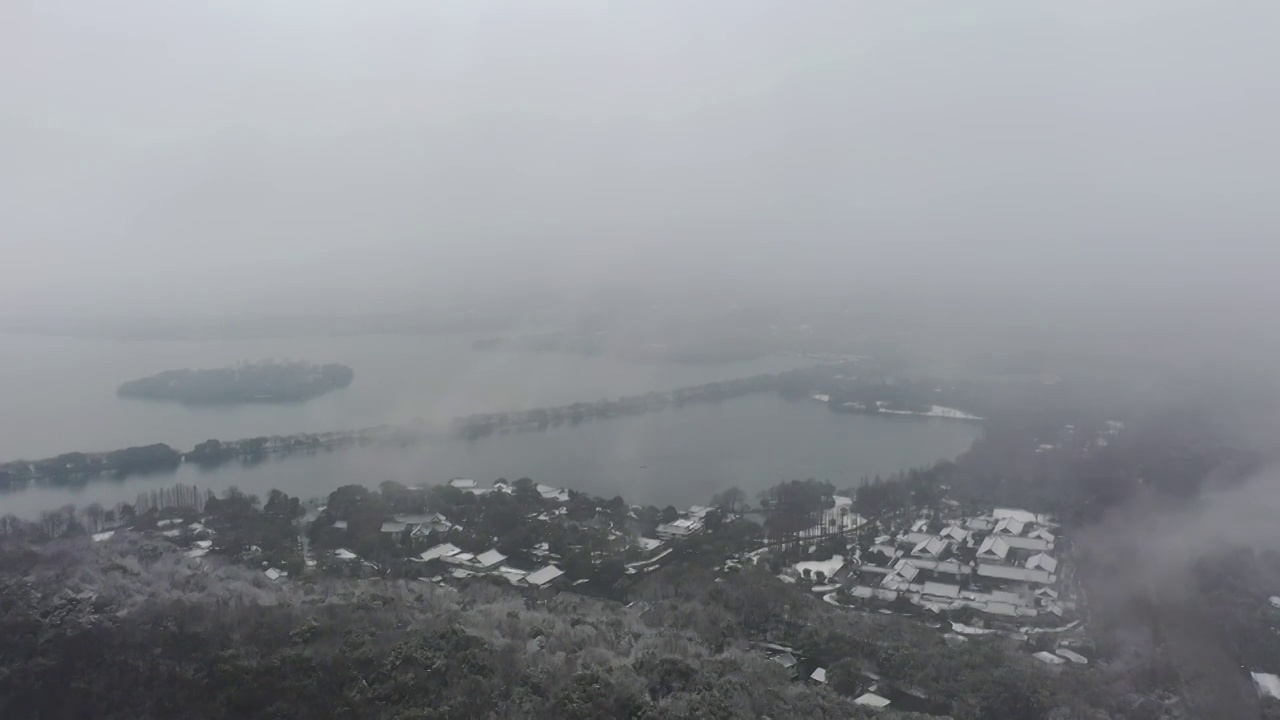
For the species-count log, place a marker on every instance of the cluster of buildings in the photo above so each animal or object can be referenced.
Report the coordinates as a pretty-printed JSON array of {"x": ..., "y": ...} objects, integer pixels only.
[
  {"x": 1003, "y": 565},
  {"x": 1081, "y": 441},
  {"x": 800, "y": 668},
  {"x": 462, "y": 565},
  {"x": 689, "y": 522},
  {"x": 535, "y": 568}
]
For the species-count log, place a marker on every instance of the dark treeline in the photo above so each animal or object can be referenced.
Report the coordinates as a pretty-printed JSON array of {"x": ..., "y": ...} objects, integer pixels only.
[
  {"x": 76, "y": 468},
  {"x": 793, "y": 383},
  {"x": 1085, "y": 473},
  {"x": 397, "y": 649}
]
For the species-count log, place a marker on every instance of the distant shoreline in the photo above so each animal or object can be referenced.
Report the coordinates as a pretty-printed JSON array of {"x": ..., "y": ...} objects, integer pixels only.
[
  {"x": 879, "y": 409},
  {"x": 77, "y": 468}
]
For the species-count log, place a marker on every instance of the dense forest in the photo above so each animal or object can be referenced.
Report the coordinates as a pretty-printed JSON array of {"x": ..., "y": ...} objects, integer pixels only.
[{"x": 124, "y": 630}]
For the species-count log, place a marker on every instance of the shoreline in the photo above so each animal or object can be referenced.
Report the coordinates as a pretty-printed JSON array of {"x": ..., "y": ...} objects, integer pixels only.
[
  {"x": 680, "y": 456},
  {"x": 79, "y": 467},
  {"x": 103, "y": 470}
]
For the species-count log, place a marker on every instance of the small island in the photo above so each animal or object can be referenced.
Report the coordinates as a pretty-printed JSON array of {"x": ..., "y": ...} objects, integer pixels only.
[{"x": 267, "y": 382}]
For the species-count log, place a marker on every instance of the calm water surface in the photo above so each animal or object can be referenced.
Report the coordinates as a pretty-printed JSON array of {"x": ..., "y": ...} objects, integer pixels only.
[
  {"x": 676, "y": 456},
  {"x": 58, "y": 394}
]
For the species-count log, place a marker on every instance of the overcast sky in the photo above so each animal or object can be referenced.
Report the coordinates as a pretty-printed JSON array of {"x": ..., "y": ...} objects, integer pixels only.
[{"x": 248, "y": 154}]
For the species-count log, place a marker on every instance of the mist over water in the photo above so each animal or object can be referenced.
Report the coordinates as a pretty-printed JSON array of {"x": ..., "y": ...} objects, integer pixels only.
[
  {"x": 59, "y": 394},
  {"x": 680, "y": 456}
]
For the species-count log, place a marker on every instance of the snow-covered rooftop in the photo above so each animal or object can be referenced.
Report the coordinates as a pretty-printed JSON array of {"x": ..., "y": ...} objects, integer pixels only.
[
  {"x": 552, "y": 493},
  {"x": 545, "y": 575},
  {"x": 993, "y": 547},
  {"x": 871, "y": 700},
  {"x": 1004, "y": 572},
  {"x": 439, "y": 551},
  {"x": 1268, "y": 685},
  {"x": 980, "y": 524},
  {"x": 489, "y": 559},
  {"x": 1048, "y": 658},
  {"x": 942, "y": 566},
  {"x": 1025, "y": 516},
  {"x": 941, "y": 589},
  {"x": 1042, "y": 561},
  {"x": 932, "y": 547},
  {"x": 1026, "y": 543},
  {"x": 1073, "y": 656},
  {"x": 1010, "y": 526}
]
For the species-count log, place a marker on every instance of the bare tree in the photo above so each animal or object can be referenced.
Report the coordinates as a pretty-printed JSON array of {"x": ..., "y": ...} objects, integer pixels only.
[
  {"x": 731, "y": 501},
  {"x": 95, "y": 513}
]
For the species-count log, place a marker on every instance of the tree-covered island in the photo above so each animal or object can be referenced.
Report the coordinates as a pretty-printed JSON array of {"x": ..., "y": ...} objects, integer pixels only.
[{"x": 266, "y": 382}]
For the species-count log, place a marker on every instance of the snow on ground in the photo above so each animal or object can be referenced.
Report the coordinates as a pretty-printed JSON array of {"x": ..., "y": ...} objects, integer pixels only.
[
  {"x": 937, "y": 411},
  {"x": 651, "y": 560},
  {"x": 1048, "y": 658},
  {"x": 99, "y": 537},
  {"x": 822, "y": 398},
  {"x": 826, "y": 567},
  {"x": 1036, "y": 631},
  {"x": 824, "y": 588},
  {"x": 969, "y": 630},
  {"x": 940, "y": 411},
  {"x": 1268, "y": 685},
  {"x": 1073, "y": 656},
  {"x": 871, "y": 700},
  {"x": 840, "y": 518}
]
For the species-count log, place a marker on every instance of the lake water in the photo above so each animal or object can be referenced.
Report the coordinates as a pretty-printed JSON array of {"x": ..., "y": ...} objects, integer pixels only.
[
  {"x": 676, "y": 456},
  {"x": 59, "y": 395}
]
